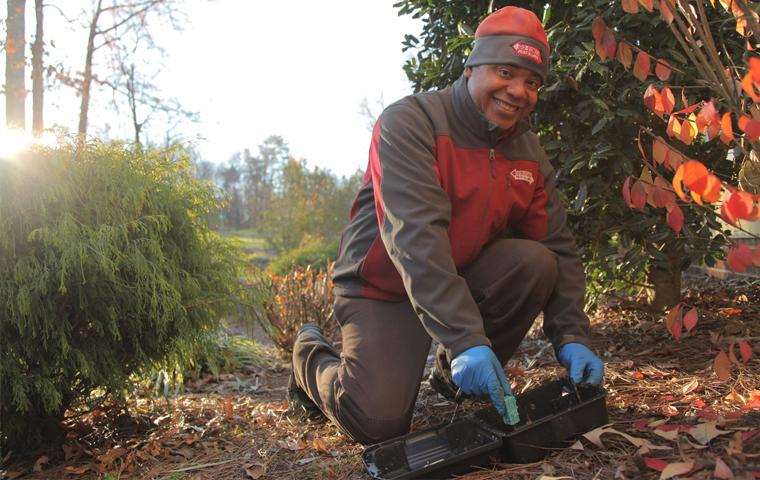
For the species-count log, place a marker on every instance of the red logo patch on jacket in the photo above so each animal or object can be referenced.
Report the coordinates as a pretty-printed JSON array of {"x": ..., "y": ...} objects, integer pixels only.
[
  {"x": 523, "y": 175},
  {"x": 524, "y": 50}
]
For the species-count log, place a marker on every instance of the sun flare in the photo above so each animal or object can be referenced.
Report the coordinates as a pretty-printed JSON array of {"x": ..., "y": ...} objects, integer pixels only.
[{"x": 13, "y": 142}]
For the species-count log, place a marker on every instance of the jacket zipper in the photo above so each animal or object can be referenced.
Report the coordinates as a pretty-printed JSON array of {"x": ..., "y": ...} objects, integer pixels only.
[{"x": 492, "y": 162}]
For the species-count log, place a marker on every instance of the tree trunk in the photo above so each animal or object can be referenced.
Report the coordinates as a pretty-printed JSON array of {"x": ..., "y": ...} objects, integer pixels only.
[
  {"x": 87, "y": 80},
  {"x": 666, "y": 282},
  {"x": 38, "y": 84},
  {"x": 15, "y": 46}
]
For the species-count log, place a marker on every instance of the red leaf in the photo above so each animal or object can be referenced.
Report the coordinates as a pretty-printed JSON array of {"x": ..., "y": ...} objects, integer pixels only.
[
  {"x": 754, "y": 68},
  {"x": 625, "y": 55},
  {"x": 698, "y": 403},
  {"x": 666, "y": 9},
  {"x": 668, "y": 99},
  {"x": 655, "y": 463},
  {"x": 740, "y": 204},
  {"x": 749, "y": 87},
  {"x": 609, "y": 44},
  {"x": 659, "y": 150},
  {"x": 695, "y": 176},
  {"x": 722, "y": 366},
  {"x": 739, "y": 256},
  {"x": 750, "y": 127},
  {"x": 745, "y": 351},
  {"x": 647, "y": 4},
  {"x": 721, "y": 470},
  {"x": 597, "y": 29},
  {"x": 690, "y": 319},
  {"x": 639, "y": 195},
  {"x": 638, "y": 375},
  {"x": 662, "y": 69},
  {"x": 627, "y": 192},
  {"x": 727, "y": 128},
  {"x": 753, "y": 404},
  {"x": 630, "y": 6},
  {"x": 652, "y": 100},
  {"x": 642, "y": 67},
  {"x": 675, "y": 218},
  {"x": 730, "y": 311},
  {"x": 641, "y": 425}
]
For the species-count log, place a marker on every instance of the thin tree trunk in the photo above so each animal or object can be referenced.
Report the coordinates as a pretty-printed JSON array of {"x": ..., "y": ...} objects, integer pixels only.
[
  {"x": 132, "y": 99},
  {"x": 87, "y": 80},
  {"x": 38, "y": 83},
  {"x": 15, "y": 46},
  {"x": 667, "y": 282}
]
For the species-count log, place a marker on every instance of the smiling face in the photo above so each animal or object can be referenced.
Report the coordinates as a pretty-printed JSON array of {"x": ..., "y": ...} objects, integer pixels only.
[{"x": 503, "y": 93}]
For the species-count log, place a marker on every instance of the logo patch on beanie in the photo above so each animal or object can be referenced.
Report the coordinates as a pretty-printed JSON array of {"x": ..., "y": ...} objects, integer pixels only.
[{"x": 524, "y": 50}]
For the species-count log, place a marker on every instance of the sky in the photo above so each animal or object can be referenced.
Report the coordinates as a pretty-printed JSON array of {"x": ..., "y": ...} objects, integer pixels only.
[{"x": 255, "y": 68}]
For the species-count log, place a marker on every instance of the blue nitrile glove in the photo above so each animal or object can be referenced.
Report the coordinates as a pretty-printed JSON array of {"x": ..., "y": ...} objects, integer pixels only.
[
  {"x": 581, "y": 363},
  {"x": 477, "y": 371}
]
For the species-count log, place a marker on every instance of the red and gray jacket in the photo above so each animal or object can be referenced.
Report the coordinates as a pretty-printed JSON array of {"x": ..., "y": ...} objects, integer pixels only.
[{"x": 442, "y": 182}]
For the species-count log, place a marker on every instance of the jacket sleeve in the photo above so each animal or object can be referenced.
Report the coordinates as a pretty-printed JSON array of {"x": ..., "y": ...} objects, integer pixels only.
[
  {"x": 564, "y": 318},
  {"x": 414, "y": 214}
]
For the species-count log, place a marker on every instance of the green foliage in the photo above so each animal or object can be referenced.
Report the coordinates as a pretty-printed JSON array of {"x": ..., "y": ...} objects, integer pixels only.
[
  {"x": 588, "y": 117},
  {"x": 107, "y": 266},
  {"x": 215, "y": 352},
  {"x": 307, "y": 203},
  {"x": 316, "y": 254}
]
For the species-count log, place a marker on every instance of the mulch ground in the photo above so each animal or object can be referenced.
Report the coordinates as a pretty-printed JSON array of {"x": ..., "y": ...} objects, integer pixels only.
[{"x": 670, "y": 415}]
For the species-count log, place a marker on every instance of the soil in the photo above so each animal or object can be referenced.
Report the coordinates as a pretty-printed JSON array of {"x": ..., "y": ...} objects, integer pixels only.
[{"x": 668, "y": 410}]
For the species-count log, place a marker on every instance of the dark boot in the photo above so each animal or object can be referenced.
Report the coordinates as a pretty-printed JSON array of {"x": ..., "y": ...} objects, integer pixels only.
[
  {"x": 440, "y": 377},
  {"x": 298, "y": 401}
]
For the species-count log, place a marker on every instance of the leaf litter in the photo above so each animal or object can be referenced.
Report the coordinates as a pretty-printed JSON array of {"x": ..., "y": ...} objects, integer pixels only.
[{"x": 670, "y": 414}]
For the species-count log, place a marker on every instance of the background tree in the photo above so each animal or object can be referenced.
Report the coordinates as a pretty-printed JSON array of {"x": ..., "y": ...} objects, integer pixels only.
[
  {"x": 261, "y": 172},
  {"x": 15, "y": 66},
  {"x": 109, "y": 24},
  {"x": 588, "y": 118},
  {"x": 38, "y": 81}
]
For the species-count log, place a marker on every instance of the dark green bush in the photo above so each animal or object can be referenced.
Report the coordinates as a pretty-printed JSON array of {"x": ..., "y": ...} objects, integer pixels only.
[
  {"x": 315, "y": 254},
  {"x": 107, "y": 267}
]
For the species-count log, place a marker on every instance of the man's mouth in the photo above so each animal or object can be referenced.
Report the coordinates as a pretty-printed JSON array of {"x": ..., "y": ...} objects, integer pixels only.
[{"x": 505, "y": 106}]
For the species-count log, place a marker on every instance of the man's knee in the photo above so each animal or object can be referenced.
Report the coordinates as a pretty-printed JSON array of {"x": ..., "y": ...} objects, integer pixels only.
[
  {"x": 541, "y": 261},
  {"x": 370, "y": 423}
]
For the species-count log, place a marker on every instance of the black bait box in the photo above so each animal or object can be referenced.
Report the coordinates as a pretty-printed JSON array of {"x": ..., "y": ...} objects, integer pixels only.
[{"x": 550, "y": 419}]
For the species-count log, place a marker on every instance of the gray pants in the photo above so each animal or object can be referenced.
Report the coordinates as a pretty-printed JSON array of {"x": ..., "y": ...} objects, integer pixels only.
[{"x": 369, "y": 389}]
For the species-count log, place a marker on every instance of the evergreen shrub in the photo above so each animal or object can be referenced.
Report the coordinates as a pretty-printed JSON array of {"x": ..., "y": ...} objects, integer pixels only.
[{"x": 107, "y": 266}]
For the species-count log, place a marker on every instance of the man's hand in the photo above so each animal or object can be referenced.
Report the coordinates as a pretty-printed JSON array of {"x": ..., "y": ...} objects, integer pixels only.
[
  {"x": 477, "y": 371},
  {"x": 581, "y": 363}
]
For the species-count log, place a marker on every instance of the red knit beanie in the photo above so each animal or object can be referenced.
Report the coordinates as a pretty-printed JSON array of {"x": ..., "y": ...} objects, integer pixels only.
[{"x": 514, "y": 36}]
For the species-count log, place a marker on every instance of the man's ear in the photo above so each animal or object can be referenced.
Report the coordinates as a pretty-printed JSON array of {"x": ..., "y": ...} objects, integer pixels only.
[{"x": 467, "y": 72}]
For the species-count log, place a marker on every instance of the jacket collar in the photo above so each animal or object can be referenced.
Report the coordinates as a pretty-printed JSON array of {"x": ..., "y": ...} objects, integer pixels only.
[{"x": 477, "y": 123}]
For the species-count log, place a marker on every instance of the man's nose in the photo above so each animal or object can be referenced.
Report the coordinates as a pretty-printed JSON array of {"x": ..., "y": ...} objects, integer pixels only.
[{"x": 517, "y": 88}]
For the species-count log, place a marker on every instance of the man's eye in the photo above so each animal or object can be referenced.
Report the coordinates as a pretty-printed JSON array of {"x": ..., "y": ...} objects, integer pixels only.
[
  {"x": 534, "y": 85},
  {"x": 505, "y": 72}
]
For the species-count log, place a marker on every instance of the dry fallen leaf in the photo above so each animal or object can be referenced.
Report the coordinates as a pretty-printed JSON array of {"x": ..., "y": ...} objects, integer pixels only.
[
  {"x": 690, "y": 387},
  {"x": 319, "y": 444},
  {"x": 77, "y": 470},
  {"x": 255, "y": 470},
  {"x": 705, "y": 432},
  {"x": 674, "y": 469},
  {"x": 655, "y": 463},
  {"x": 38, "y": 464},
  {"x": 645, "y": 446},
  {"x": 577, "y": 445},
  {"x": 721, "y": 470}
]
